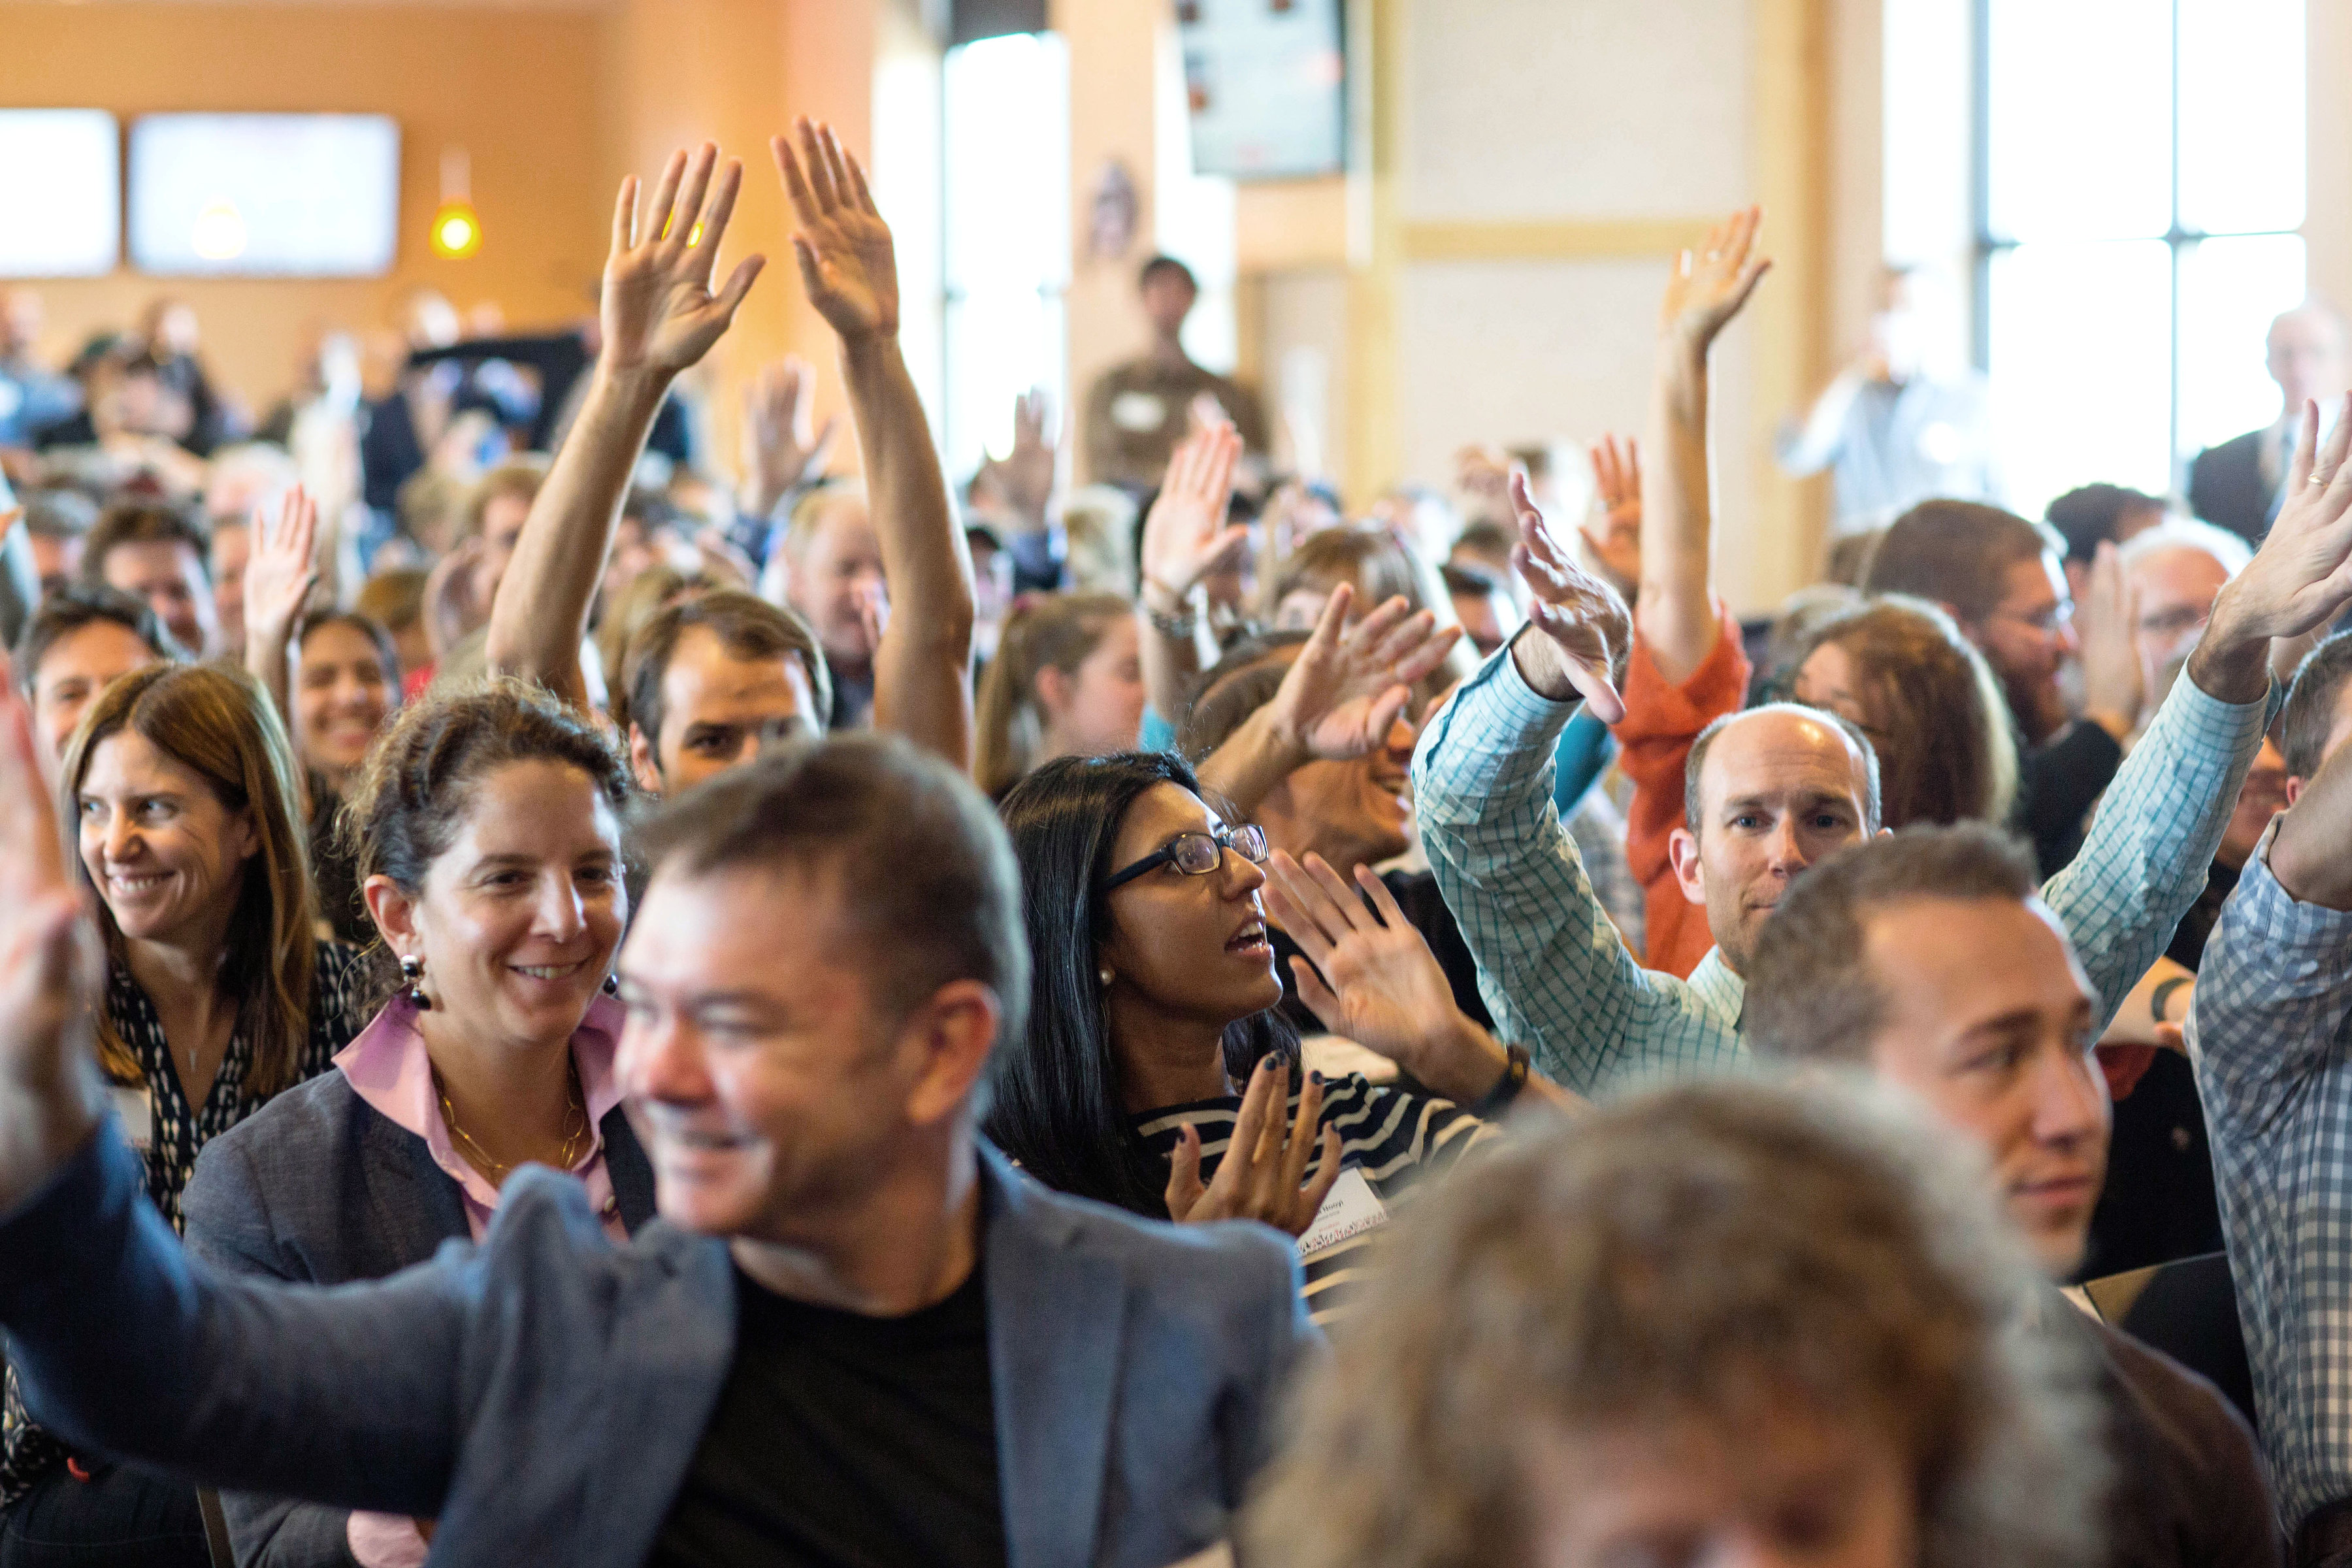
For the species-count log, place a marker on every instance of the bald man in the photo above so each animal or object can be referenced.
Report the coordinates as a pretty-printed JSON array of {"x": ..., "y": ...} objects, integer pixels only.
[
  {"x": 1772, "y": 790},
  {"x": 2238, "y": 485}
]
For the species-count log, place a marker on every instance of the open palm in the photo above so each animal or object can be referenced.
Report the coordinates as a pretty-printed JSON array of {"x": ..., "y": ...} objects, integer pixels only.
[
  {"x": 657, "y": 310},
  {"x": 1380, "y": 986},
  {"x": 280, "y": 574},
  {"x": 1349, "y": 684},
  {"x": 1708, "y": 286},
  {"x": 847, "y": 261},
  {"x": 1186, "y": 535}
]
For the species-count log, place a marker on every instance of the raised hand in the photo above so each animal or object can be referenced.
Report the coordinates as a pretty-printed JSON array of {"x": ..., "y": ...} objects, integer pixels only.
[
  {"x": 1026, "y": 473},
  {"x": 1348, "y": 685},
  {"x": 52, "y": 969},
  {"x": 1385, "y": 989},
  {"x": 1708, "y": 286},
  {"x": 2302, "y": 575},
  {"x": 2115, "y": 687},
  {"x": 1264, "y": 1174},
  {"x": 1185, "y": 536},
  {"x": 847, "y": 260},
  {"x": 1584, "y": 623},
  {"x": 281, "y": 571},
  {"x": 659, "y": 312},
  {"x": 782, "y": 444},
  {"x": 1617, "y": 479}
]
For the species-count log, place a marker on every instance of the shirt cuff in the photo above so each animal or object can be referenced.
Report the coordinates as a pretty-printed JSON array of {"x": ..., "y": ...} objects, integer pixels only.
[{"x": 1496, "y": 733}]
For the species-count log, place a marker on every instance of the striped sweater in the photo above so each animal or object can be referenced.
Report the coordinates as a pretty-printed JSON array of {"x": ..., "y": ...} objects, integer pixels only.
[{"x": 1394, "y": 1137}]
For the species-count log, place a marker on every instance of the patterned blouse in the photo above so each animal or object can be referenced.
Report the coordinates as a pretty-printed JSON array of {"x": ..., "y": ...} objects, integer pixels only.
[{"x": 178, "y": 1133}]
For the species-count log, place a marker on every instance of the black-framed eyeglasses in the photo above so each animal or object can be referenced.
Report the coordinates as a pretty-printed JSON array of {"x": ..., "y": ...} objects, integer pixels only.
[{"x": 1196, "y": 854}]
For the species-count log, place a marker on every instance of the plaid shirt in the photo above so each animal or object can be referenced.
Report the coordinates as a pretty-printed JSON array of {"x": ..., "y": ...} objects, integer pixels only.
[
  {"x": 1558, "y": 980},
  {"x": 2270, "y": 1035}
]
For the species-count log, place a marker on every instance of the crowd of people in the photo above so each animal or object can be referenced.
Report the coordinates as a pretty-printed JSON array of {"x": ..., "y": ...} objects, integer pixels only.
[{"x": 557, "y": 1006}]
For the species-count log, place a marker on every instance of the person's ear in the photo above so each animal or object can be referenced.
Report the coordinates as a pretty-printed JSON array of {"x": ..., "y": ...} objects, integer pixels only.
[
  {"x": 245, "y": 836},
  {"x": 643, "y": 762},
  {"x": 1053, "y": 691},
  {"x": 2294, "y": 787},
  {"x": 1681, "y": 849},
  {"x": 394, "y": 914},
  {"x": 950, "y": 1038}
]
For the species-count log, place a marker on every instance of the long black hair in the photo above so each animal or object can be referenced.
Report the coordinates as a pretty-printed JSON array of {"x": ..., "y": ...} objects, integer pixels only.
[{"x": 1057, "y": 1108}]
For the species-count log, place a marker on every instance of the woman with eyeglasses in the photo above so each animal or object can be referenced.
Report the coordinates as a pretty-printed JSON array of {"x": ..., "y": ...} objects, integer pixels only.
[{"x": 1153, "y": 1049}]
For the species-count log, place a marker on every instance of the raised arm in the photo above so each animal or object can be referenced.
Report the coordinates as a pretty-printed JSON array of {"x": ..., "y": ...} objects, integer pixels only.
[
  {"x": 922, "y": 686},
  {"x": 659, "y": 317},
  {"x": 1185, "y": 538},
  {"x": 1675, "y": 612},
  {"x": 1551, "y": 967},
  {"x": 2145, "y": 859},
  {"x": 279, "y": 576}
]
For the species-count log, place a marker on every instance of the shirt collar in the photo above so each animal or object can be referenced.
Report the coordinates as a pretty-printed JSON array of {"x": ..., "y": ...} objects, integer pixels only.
[
  {"x": 1719, "y": 990},
  {"x": 386, "y": 1065}
]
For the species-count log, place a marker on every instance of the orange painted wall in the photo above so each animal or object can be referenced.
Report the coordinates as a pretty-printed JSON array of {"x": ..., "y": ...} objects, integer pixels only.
[{"x": 519, "y": 89}]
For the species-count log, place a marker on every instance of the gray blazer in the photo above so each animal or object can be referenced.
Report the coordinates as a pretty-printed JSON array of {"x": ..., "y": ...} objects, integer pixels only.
[
  {"x": 318, "y": 1187},
  {"x": 543, "y": 1394}
]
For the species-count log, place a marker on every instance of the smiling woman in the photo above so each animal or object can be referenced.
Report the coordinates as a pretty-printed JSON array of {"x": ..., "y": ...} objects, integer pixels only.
[
  {"x": 487, "y": 830},
  {"x": 218, "y": 996}
]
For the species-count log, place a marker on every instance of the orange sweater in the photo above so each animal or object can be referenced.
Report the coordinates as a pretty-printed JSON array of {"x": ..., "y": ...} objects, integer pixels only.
[{"x": 1662, "y": 719}]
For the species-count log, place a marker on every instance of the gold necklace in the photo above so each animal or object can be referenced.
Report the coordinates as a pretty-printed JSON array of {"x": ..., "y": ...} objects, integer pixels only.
[{"x": 496, "y": 1169}]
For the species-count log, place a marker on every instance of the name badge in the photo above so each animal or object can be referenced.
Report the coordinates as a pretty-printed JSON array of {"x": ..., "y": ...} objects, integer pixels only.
[
  {"x": 1348, "y": 1210},
  {"x": 135, "y": 1107},
  {"x": 1138, "y": 412}
]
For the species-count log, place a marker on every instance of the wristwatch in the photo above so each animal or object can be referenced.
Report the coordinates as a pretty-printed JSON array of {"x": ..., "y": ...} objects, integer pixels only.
[{"x": 1515, "y": 1078}]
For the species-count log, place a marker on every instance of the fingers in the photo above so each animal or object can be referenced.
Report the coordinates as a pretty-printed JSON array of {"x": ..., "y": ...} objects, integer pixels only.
[
  {"x": 715, "y": 219},
  {"x": 1249, "y": 1126},
  {"x": 678, "y": 226},
  {"x": 1327, "y": 1175},
  {"x": 1318, "y": 924},
  {"x": 796, "y": 186},
  {"x": 28, "y": 826},
  {"x": 664, "y": 195},
  {"x": 624, "y": 215},
  {"x": 1349, "y": 912},
  {"x": 1383, "y": 901},
  {"x": 2331, "y": 454},
  {"x": 2306, "y": 447},
  {"x": 820, "y": 172},
  {"x": 1328, "y": 626},
  {"x": 1385, "y": 710},
  {"x": 1217, "y": 479},
  {"x": 836, "y": 164},
  {"x": 739, "y": 283},
  {"x": 1386, "y": 634},
  {"x": 1185, "y": 1190},
  {"x": 1302, "y": 1138},
  {"x": 858, "y": 184},
  {"x": 1428, "y": 655},
  {"x": 1321, "y": 999}
]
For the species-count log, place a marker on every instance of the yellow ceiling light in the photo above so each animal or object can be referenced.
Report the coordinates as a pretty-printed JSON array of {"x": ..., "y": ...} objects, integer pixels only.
[{"x": 457, "y": 231}]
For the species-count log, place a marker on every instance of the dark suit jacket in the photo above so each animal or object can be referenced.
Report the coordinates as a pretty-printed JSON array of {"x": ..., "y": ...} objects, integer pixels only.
[
  {"x": 2226, "y": 488},
  {"x": 320, "y": 1187},
  {"x": 543, "y": 1394}
]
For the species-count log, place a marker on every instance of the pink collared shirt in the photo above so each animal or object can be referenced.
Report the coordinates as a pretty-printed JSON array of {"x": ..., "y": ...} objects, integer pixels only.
[{"x": 387, "y": 1066}]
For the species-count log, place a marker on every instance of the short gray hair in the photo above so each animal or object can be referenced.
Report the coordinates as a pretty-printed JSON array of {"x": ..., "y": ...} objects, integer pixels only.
[{"x": 2176, "y": 533}]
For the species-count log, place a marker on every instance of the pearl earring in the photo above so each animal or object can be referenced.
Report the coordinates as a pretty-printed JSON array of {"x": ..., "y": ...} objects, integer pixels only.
[
  {"x": 1104, "y": 975},
  {"x": 412, "y": 975}
]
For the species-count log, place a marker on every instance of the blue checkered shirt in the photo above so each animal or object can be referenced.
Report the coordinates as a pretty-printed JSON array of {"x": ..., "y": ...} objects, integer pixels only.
[
  {"x": 2270, "y": 1035},
  {"x": 1558, "y": 980}
]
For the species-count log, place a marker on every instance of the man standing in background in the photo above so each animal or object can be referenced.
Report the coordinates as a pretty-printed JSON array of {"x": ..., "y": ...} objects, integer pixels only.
[
  {"x": 1894, "y": 428},
  {"x": 1137, "y": 411},
  {"x": 2237, "y": 485}
]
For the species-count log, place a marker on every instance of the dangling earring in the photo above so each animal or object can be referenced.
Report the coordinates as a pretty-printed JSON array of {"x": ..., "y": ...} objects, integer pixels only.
[
  {"x": 1104, "y": 976},
  {"x": 412, "y": 975}
]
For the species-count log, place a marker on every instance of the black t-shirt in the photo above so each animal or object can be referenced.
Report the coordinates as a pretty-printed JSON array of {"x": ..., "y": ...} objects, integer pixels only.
[{"x": 846, "y": 1441}]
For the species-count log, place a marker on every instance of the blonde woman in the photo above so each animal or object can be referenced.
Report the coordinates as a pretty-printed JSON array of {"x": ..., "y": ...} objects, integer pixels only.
[{"x": 1067, "y": 681}]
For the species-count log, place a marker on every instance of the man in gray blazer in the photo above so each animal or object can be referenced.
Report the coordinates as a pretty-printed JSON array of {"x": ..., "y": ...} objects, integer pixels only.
[{"x": 854, "y": 1334}]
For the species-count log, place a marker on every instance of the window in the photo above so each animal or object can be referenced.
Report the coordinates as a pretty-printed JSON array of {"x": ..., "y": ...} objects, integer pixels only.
[
  {"x": 1007, "y": 228},
  {"x": 2141, "y": 183},
  {"x": 60, "y": 196}
]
